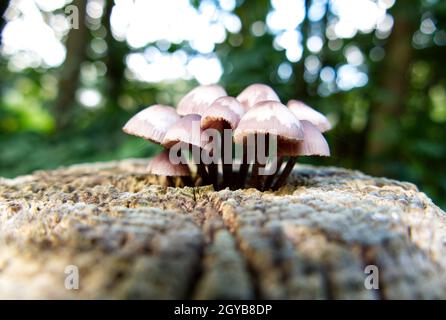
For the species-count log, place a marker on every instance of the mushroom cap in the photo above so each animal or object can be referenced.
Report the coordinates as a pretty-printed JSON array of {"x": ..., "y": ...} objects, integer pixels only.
[
  {"x": 255, "y": 93},
  {"x": 223, "y": 110},
  {"x": 314, "y": 143},
  {"x": 305, "y": 112},
  {"x": 186, "y": 130},
  {"x": 269, "y": 117},
  {"x": 152, "y": 123},
  {"x": 161, "y": 166},
  {"x": 199, "y": 99}
]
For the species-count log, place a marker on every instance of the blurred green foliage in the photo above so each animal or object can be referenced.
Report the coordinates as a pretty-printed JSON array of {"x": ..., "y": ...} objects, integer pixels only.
[{"x": 393, "y": 126}]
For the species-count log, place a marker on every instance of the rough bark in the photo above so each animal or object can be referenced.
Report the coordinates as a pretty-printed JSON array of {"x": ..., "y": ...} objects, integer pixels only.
[{"x": 131, "y": 237}]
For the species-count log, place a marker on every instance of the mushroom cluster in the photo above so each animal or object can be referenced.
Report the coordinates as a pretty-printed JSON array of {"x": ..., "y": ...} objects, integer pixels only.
[{"x": 200, "y": 136}]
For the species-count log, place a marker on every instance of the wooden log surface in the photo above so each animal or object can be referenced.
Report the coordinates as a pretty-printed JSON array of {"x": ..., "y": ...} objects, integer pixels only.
[{"x": 130, "y": 237}]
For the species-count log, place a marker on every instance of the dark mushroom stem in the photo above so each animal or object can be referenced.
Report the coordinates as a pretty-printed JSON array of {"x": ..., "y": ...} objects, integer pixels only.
[
  {"x": 269, "y": 181},
  {"x": 227, "y": 167},
  {"x": 201, "y": 170},
  {"x": 255, "y": 165},
  {"x": 213, "y": 174},
  {"x": 244, "y": 167},
  {"x": 212, "y": 169},
  {"x": 285, "y": 173},
  {"x": 201, "y": 167},
  {"x": 170, "y": 181},
  {"x": 187, "y": 181},
  {"x": 256, "y": 178}
]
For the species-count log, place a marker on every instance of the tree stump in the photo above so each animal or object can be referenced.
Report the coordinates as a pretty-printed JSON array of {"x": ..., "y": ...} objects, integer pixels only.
[{"x": 130, "y": 237}]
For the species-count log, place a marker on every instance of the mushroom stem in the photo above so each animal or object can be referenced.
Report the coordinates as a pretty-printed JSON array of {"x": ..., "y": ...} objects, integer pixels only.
[
  {"x": 227, "y": 172},
  {"x": 270, "y": 179},
  {"x": 187, "y": 181},
  {"x": 213, "y": 174},
  {"x": 201, "y": 170},
  {"x": 285, "y": 173},
  {"x": 201, "y": 167},
  {"x": 170, "y": 181},
  {"x": 255, "y": 173},
  {"x": 256, "y": 178},
  {"x": 244, "y": 167},
  {"x": 227, "y": 167}
]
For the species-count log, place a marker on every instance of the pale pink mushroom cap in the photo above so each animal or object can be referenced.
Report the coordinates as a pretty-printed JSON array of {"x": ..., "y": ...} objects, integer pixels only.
[
  {"x": 314, "y": 143},
  {"x": 269, "y": 117},
  {"x": 186, "y": 130},
  {"x": 305, "y": 112},
  {"x": 223, "y": 110},
  {"x": 161, "y": 166},
  {"x": 152, "y": 123},
  {"x": 199, "y": 99},
  {"x": 255, "y": 93}
]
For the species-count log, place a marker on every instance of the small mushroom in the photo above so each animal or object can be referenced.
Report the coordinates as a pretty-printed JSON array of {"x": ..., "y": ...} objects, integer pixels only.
[
  {"x": 256, "y": 113},
  {"x": 267, "y": 118},
  {"x": 199, "y": 99},
  {"x": 162, "y": 166},
  {"x": 305, "y": 112},
  {"x": 314, "y": 144},
  {"x": 152, "y": 123},
  {"x": 185, "y": 131},
  {"x": 224, "y": 113},
  {"x": 255, "y": 93}
]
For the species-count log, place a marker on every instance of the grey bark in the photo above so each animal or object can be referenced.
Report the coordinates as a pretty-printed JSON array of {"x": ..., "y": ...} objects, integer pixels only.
[{"x": 131, "y": 237}]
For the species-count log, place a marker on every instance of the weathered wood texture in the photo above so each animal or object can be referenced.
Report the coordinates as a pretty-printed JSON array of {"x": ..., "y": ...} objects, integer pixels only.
[{"x": 132, "y": 238}]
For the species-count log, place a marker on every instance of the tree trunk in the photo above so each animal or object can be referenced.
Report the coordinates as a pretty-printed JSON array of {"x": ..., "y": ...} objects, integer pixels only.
[
  {"x": 3, "y": 8},
  {"x": 131, "y": 238},
  {"x": 115, "y": 59},
  {"x": 250, "y": 12},
  {"x": 300, "y": 85},
  {"x": 76, "y": 46},
  {"x": 385, "y": 120}
]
